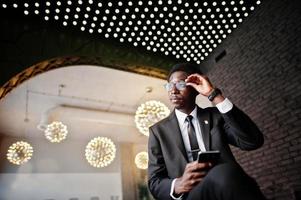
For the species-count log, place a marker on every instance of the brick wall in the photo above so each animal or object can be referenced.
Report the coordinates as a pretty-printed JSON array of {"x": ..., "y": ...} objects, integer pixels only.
[{"x": 261, "y": 74}]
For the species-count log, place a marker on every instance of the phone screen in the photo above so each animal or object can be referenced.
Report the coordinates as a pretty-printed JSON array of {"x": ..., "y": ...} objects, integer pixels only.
[{"x": 208, "y": 156}]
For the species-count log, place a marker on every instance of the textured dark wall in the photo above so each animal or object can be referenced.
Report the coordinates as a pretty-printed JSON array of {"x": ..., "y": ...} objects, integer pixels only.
[{"x": 261, "y": 74}]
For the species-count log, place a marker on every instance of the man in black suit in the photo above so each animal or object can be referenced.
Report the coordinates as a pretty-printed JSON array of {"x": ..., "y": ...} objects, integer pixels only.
[{"x": 173, "y": 171}]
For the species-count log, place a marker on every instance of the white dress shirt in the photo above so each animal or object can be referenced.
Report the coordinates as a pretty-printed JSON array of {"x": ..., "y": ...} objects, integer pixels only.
[
  {"x": 183, "y": 123},
  {"x": 223, "y": 107}
]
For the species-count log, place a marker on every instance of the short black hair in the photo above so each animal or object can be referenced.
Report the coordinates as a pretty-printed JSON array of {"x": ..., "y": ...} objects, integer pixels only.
[{"x": 189, "y": 68}]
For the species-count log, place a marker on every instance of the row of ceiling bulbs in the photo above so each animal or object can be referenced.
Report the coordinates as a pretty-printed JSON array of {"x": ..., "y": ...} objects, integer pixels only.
[
  {"x": 140, "y": 3},
  {"x": 156, "y": 36}
]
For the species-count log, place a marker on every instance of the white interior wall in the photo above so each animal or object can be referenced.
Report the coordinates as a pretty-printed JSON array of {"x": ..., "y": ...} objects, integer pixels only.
[
  {"x": 57, "y": 171},
  {"x": 59, "y": 186}
]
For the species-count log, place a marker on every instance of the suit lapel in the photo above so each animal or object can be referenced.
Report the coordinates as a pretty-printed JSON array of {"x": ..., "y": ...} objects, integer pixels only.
[
  {"x": 204, "y": 120},
  {"x": 176, "y": 134}
]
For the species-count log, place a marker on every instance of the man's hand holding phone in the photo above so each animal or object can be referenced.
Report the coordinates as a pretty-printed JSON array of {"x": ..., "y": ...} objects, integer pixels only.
[
  {"x": 196, "y": 171},
  {"x": 193, "y": 174}
]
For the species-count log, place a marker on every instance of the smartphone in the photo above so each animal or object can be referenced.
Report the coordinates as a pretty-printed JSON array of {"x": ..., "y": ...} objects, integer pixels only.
[{"x": 208, "y": 156}]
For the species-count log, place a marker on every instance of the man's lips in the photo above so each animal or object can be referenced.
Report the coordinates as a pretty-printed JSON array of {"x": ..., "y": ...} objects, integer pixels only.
[{"x": 175, "y": 99}]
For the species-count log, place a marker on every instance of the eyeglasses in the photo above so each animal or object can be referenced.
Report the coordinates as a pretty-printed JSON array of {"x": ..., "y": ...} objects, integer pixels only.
[{"x": 181, "y": 85}]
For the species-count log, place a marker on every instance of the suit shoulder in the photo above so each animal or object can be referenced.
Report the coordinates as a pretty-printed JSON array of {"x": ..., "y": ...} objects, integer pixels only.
[
  {"x": 160, "y": 123},
  {"x": 212, "y": 110}
]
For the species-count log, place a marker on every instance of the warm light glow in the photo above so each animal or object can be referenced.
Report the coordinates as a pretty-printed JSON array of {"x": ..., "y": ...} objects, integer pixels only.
[
  {"x": 100, "y": 152},
  {"x": 148, "y": 114},
  {"x": 19, "y": 153},
  {"x": 56, "y": 132},
  {"x": 141, "y": 160}
]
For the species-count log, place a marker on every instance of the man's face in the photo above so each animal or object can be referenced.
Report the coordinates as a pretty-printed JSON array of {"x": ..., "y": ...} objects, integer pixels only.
[{"x": 183, "y": 98}]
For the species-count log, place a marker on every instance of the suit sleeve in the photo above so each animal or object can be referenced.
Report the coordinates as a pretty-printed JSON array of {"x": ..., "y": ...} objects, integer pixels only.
[
  {"x": 241, "y": 131},
  {"x": 158, "y": 181}
]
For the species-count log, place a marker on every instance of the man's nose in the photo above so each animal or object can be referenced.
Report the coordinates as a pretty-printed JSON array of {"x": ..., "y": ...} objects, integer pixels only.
[{"x": 174, "y": 90}]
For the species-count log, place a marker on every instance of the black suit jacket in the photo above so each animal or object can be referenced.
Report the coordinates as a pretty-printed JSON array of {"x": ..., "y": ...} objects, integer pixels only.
[{"x": 167, "y": 155}]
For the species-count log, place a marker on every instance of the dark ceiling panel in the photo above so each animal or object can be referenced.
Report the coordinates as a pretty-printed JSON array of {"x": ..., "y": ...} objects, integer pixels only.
[{"x": 186, "y": 30}]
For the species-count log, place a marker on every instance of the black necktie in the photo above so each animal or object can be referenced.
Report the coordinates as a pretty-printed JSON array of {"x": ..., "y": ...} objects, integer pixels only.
[{"x": 192, "y": 137}]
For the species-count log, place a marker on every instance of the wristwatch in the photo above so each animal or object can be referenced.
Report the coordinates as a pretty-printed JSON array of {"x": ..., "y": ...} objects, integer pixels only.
[{"x": 214, "y": 93}]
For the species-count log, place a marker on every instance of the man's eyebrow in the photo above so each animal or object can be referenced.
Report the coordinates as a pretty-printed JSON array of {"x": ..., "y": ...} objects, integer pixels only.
[
  {"x": 181, "y": 79},
  {"x": 176, "y": 81}
]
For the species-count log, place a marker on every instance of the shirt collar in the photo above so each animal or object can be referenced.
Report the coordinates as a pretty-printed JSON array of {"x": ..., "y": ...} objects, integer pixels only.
[{"x": 182, "y": 116}]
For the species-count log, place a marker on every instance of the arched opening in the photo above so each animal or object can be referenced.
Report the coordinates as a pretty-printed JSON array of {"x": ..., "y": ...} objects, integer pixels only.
[
  {"x": 55, "y": 63},
  {"x": 92, "y": 101}
]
